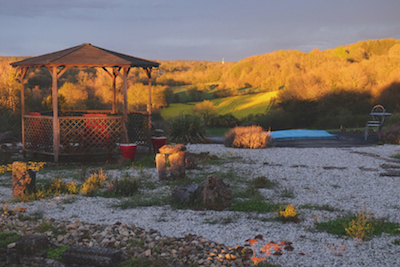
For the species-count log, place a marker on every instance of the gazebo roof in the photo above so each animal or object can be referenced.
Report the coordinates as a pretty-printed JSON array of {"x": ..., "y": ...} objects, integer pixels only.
[{"x": 85, "y": 55}]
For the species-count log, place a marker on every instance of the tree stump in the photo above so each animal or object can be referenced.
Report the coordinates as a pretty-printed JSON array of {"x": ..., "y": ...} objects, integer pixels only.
[
  {"x": 24, "y": 181},
  {"x": 172, "y": 160}
]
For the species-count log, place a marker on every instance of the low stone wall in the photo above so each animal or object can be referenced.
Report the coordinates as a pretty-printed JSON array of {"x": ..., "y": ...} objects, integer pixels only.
[
  {"x": 29, "y": 251},
  {"x": 87, "y": 243}
]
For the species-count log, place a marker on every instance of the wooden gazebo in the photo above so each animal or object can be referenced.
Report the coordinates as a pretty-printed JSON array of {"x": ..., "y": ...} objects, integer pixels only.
[{"x": 85, "y": 133}]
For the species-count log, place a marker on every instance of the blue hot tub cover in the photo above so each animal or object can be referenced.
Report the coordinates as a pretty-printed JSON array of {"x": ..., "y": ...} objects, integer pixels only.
[{"x": 297, "y": 134}]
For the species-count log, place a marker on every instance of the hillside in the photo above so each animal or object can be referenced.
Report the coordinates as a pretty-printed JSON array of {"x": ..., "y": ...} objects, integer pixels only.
[{"x": 239, "y": 106}]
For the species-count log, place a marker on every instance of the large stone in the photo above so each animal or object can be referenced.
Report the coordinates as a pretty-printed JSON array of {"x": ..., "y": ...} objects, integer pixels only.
[
  {"x": 183, "y": 193},
  {"x": 92, "y": 256},
  {"x": 214, "y": 193},
  {"x": 23, "y": 180},
  {"x": 191, "y": 161},
  {"x": 30, "y": 245}
]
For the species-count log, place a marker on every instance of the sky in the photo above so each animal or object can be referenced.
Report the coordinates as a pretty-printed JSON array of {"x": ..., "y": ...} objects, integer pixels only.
[{"x": 193, "y": 29}]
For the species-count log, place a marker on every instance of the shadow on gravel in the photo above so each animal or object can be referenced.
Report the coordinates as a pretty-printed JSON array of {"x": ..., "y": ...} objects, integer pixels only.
[{"x": 344, "y": 140}]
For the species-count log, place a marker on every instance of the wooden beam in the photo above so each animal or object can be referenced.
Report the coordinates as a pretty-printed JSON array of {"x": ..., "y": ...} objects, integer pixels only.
[
  {"x": 117, "y": 73},
  {"x": 109, "y": 73},
  {"x": 62, "y": 71}
]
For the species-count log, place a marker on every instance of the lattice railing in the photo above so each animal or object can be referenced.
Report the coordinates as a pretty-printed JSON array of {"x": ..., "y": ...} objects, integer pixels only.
[
  {"x": 90, "y": 135},
  {"x": 138, "y": 128},
  {"x": 38, "y": 133},
  {"x": 84, "y": 135}
]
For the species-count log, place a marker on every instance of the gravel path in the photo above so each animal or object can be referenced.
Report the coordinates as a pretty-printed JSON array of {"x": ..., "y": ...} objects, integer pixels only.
[{"x": 342, "y": 178}]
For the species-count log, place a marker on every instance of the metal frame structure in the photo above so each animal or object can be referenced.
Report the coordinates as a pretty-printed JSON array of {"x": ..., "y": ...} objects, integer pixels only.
[{"x": 70, "y": 134}]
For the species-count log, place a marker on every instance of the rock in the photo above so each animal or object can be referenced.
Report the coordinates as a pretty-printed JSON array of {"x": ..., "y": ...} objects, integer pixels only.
[
  {"x": 7, "y": 137},
  {"x": 183, "y": 193},
  {"x": 147, "y": 253},
  {"x": 92, "y": 256},
  {"x": 214, "y": 193},
  {"x": 12, "y": 245},
  {"x": 31, "y": 244},
  {"x": 190, "y": 162}
]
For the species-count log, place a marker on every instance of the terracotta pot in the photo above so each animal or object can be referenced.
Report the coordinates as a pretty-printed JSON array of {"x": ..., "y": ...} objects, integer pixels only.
[
  {"x": 128, "y": 151},
  {"x": 158, "y": 142}
]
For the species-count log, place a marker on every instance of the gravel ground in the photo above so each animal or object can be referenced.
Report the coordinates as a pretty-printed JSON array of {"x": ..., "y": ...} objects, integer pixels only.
[{"x": 343, "y": 178}]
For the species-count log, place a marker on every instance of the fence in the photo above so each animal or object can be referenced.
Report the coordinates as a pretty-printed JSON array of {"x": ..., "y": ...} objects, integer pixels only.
[{"x": 84, "y": 134}]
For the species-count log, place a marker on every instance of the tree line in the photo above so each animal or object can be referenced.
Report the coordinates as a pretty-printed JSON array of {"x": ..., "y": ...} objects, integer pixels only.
[{"x": 347, "y": 79}]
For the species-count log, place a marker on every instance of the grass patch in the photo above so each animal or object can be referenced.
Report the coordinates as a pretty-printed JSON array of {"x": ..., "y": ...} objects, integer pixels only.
[
  {"x": 145, "y": 162},
  {"x": 239, "y": 106},
  {"x": 7, "y": 238},
  {"x": 338, "y": 227},
  {"x": 56, "y": 253},
  {"x": 263, "y": 182},
  {"x": 217, "y": 131}
]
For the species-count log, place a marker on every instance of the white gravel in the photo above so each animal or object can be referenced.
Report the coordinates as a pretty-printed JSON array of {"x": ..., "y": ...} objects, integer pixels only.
[{"x": 343, "y": 178}]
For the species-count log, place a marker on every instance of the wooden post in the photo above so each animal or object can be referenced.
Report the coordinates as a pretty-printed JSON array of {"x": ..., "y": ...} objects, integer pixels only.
[
  {"x": 114, "y": 104},
  {"x": 148, "y": 72},
  {"x": 56, "y": 127},
  {"x": 23, "y": 73},
  {"x": 125, "y": 77}
]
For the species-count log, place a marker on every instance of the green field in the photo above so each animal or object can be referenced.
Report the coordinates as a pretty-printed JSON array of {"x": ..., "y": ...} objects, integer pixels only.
[{"x": 238, "y": 106}]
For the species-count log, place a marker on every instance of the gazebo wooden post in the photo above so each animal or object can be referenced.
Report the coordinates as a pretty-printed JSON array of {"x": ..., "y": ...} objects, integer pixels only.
[
  {"x": 148, "y": 72},
  {"x": 114, "y": 104},
  {"x": 125, "y": 78},
  {"x": 56, "y": 126},
  {"x": 23, "y": 71}
]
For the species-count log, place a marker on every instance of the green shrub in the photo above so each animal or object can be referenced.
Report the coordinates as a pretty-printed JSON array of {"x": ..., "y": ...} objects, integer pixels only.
[
  {"x": 93, "y": 183},
  {"x": 248, "y": 137},
  {"x": 357, "y": 228},
  {"x": 391, "y": 134},
  {"x": 124, "y": 187},
  {"x": 7, "y": 238},
  {"x": 187, "y": 129},
  {"x": 361, "y": 227}
]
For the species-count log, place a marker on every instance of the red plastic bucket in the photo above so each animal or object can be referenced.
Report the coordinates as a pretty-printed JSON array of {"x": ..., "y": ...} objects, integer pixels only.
[
  {"x": 128, "y": 151},
  {"x": 158, "y": 142}
]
